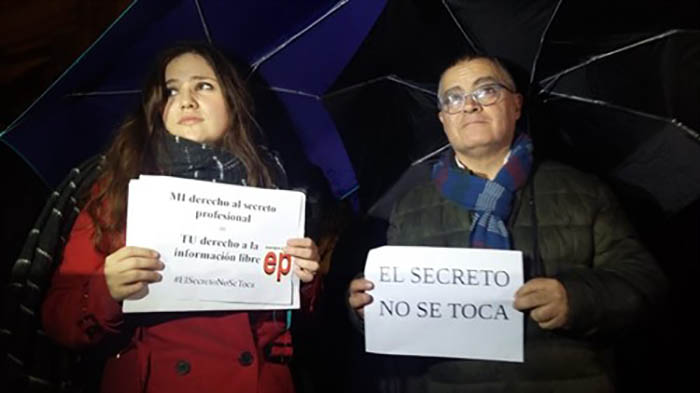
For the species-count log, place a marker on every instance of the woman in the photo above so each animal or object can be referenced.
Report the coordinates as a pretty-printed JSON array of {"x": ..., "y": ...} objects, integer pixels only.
[{"x": 194, "y": 122}]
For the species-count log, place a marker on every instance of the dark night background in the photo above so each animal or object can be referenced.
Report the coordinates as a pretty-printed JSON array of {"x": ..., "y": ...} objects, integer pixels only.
[{"x": 40, "y": 39}]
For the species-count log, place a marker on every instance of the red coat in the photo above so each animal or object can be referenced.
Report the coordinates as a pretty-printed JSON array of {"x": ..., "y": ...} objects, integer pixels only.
[{"x": 175, "y": 352}]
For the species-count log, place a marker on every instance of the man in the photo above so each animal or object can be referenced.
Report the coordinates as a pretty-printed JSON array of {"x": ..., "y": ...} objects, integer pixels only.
[{"x": 591, "y": 278}]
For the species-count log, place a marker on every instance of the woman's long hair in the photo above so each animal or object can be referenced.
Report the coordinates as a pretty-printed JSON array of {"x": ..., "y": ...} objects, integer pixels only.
[{"x": 139, "y": 141}]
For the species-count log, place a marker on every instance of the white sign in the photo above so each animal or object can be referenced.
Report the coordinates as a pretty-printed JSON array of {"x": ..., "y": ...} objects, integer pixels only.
[
  {"x": 221, "y": 244},
  {"x": 444, "y": 302}
]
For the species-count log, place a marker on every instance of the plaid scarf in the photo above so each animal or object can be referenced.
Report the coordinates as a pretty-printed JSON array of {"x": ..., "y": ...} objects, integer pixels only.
[
  {"x": 490, "y": 201},
  {"x": 182, "y": 157}
]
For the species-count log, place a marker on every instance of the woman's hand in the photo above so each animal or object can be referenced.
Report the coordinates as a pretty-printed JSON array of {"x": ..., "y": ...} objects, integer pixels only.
[
  {"x": 130, "y": 270},
  {"x": 358, "y": 298},
  {"x": 305, "y": 256}
]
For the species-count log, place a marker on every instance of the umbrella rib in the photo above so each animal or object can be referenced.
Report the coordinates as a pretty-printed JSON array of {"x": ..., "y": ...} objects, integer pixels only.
[
  {"x": 297, "y": 92},
  {"x": 303, "y": 31},
  {"x": 26, "y": 161},
  {"x": 356, "y": 86},
  {"x": 396, "y": 79},
  {"x": 16, "y": 122},
  {"x": 689, "y": 131},
  {"x": 350, "y": 192},
  {"x": 541, "y": 44},
  {"x": 103, "y": 93},
  {"x": 552, "y": 80},
  {"x": 201, "y": 19},
  {"x": 461, "y": 29},
  {"x": 392, "y": 78},
  {"x": 431, "y": 154}
]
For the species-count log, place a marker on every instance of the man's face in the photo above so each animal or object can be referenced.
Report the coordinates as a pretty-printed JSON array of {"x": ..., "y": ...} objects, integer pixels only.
[{"x": 478, "y": 130}]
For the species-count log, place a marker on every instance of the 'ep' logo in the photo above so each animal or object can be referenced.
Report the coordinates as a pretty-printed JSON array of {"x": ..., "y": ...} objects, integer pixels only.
[{"x": 277, "y": 263}]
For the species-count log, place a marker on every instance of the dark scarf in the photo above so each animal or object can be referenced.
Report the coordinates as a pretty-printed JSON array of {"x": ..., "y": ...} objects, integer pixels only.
[
  {"x": 490, "y": 201},
  {"x": 181, "y": 157}
]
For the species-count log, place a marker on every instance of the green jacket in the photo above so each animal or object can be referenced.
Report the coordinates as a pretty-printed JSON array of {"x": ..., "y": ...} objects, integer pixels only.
[{"x": 584, "y": 241}]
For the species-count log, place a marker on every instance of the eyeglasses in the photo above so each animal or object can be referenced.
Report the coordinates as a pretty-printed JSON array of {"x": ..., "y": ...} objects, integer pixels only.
[{"x": 453, "y": 100}]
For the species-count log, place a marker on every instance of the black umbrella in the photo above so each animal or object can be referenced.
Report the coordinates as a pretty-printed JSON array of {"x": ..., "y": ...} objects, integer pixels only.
[
  {"x": 612, "y": 87},
  {"x": 635, "y": 117}
]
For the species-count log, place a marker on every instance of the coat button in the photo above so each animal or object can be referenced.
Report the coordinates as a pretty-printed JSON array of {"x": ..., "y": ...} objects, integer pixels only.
[
  {"x": 92, "y": 330},
  {"x": 246, "y": 359},
  {"x": 182, "y": 367}
]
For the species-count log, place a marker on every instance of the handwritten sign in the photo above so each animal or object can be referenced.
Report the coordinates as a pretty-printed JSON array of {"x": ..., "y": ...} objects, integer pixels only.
[
  {"x": 221, "y": 244},
  {"x": 444, "y": 302}
]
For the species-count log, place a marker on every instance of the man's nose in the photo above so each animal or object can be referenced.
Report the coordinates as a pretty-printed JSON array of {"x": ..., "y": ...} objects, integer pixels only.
[{"x": 471, "y": 104}]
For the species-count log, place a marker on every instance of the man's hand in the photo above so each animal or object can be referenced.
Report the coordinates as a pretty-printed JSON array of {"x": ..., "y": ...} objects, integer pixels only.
[
  {"x": 129, "y": 270},
  {"x": 546, "y": 299},
  {"x": 306, "y": 257},
  {"x": 357, "y": 298}
]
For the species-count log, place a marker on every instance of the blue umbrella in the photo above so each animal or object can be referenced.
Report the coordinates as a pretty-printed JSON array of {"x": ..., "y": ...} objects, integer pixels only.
[{"x": 293, "y": 46}]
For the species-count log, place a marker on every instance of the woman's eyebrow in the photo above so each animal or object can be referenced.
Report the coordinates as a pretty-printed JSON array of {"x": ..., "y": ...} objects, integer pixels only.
[{"x": 195, "y": 77}]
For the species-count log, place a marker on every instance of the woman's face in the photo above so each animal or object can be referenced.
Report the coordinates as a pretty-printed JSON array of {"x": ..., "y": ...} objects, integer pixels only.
[{"x": 195, "y": 108}]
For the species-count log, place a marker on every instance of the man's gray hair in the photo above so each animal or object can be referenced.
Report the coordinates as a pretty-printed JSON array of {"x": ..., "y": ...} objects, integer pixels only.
[{"x": 505, "y": 75}]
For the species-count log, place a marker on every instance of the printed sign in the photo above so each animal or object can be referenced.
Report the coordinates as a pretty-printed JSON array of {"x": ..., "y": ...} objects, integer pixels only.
[
  {"x": 444, "y": 302},
  {"x": 221, "y": 244}
]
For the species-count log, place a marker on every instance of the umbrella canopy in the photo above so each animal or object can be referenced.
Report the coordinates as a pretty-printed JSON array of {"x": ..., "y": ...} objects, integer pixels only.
[
  {"x": 635, "y": 113},
  {"x": 616, "y": 97},
  {"x": 314, "y": 39}
]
